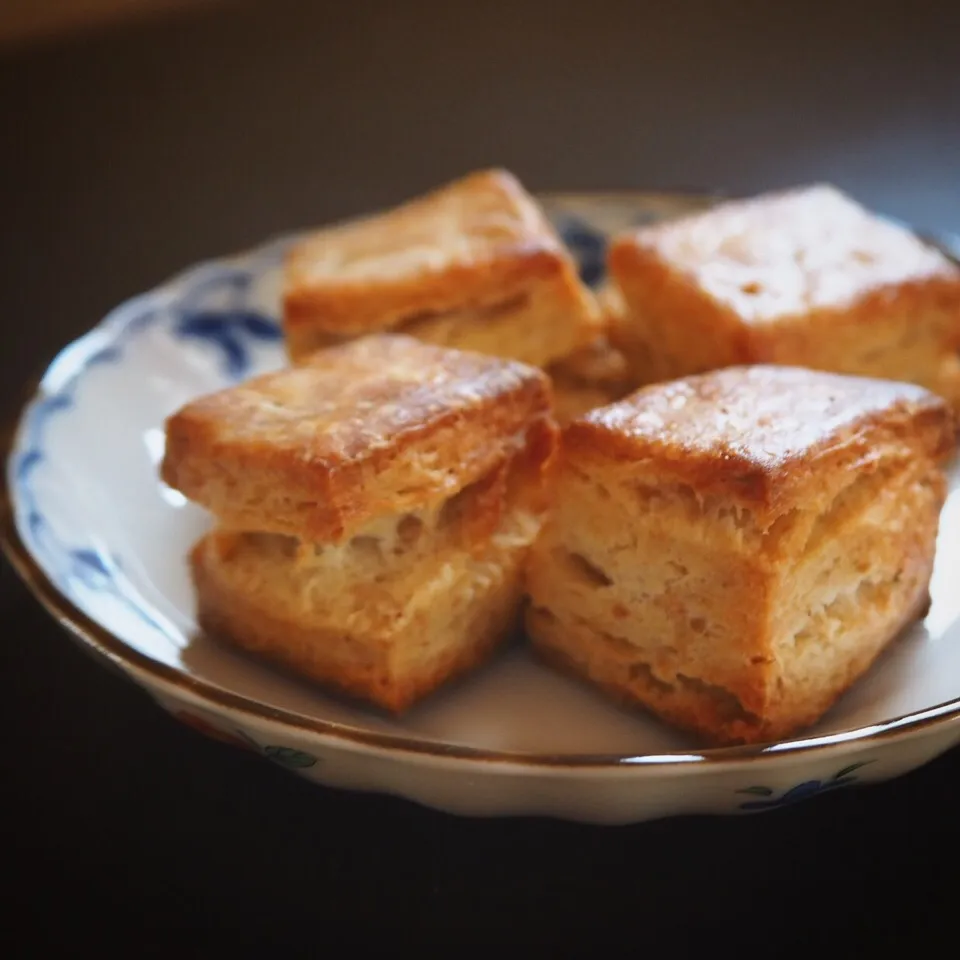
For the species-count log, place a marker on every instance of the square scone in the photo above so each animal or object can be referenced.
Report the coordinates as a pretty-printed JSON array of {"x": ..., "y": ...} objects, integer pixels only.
[
  {"x": 733, "y": 550},
  {"x": 375, "y": 507},
  {"x": 474, "y": 265},
  {"x": 806, "y": 277}
]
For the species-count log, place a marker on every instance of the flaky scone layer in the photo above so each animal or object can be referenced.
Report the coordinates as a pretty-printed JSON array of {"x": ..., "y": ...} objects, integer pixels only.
[
  {"x": 381, "y": 425},
  {"x": 405, "y": 605}
]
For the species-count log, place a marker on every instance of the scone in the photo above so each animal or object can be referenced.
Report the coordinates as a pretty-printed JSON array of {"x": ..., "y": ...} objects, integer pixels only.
[
  {"x": 375, "y": 507},
  {"x": 474, "y": 265},
  {"x": 806, "y": 277},
  {"x": 733, "y": 550}
]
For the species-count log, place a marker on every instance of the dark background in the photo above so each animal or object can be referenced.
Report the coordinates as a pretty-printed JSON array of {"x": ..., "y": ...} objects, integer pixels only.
[{"x": 129, "y": 153}]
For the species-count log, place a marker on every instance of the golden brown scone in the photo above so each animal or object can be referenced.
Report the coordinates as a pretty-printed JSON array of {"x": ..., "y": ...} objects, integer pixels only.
[
  {"x": 376, "y": 506},
  {"x": 474, "y": 265},
  {"x": 805, "y": 277},
  {"x": 382, "y": 424},
  {"x": 733, "y": 550}
]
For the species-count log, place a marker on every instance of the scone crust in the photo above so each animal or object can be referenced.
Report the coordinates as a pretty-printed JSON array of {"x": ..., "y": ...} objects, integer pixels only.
[
  {"x": 725, "y": 431},
  {"x": 785, "y": 254},
  {"x": 478, "y": 242},
  {"x": 379, "y": 425}
]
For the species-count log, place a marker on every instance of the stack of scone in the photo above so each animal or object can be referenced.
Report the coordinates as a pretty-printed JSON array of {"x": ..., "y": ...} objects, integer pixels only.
[
  {"x": 730, "y": 545},
  {"x": 374, "y": 508}
]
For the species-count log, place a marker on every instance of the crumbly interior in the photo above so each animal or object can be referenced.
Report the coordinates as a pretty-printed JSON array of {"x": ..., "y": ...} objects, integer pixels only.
[
  {"x": 389, "y": 613},
  {"x": 721, "y": 624},
  {"x": 865, "y": 563},
  {"x": 399, "y": 570}
]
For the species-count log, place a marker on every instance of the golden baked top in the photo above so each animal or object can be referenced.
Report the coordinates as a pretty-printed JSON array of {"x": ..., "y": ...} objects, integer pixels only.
[
  {"x": 760, "y": 433},
  {"x": 382, "y": 424},
  {"x": 474, "y": 242},
  {"x": 788, "y": 253}
]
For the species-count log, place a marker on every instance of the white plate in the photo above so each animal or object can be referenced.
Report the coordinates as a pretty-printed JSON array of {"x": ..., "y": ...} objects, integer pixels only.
[{"x": 102, "y": 542}]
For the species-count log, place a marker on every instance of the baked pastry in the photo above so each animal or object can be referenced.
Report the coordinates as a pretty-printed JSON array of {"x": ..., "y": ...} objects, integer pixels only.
[
  {"x": 375, "y": 507},
  {"x": 595, "y": 374},
  {"x": 733, "y": 550},
  {"x": 591, "y": 377},
  {"x": 627, "y": 337},
  {"x": 474, "y": 265},
  {"x": 806, "y": 277}
]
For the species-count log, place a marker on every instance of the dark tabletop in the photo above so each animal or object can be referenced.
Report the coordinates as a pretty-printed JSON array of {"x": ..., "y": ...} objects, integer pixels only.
[{"x": 128, "y": 155}]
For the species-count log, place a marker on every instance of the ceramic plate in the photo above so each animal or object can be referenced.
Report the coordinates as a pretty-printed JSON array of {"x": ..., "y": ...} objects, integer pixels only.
[{"x": 102, "y": 542}]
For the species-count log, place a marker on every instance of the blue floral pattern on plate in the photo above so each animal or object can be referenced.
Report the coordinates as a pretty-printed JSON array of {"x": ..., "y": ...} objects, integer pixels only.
[
  {"x": 213, "y": 306},
  {"x": 211, "y": 310},
  {"x": 802, "y": 791},
  {"x": 229, "y": 331},
  {"x": 588, "y": 246},
  {"x": 289, "y": 757}
]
